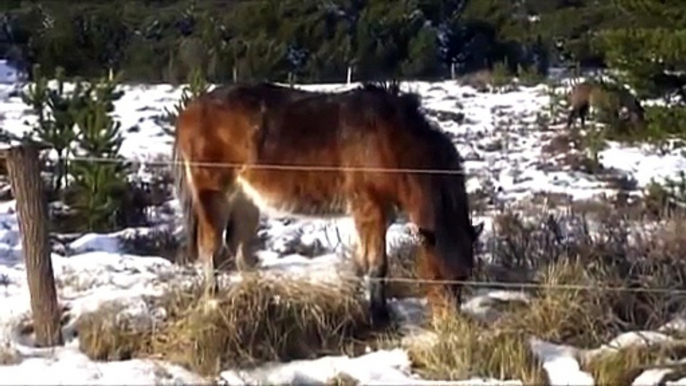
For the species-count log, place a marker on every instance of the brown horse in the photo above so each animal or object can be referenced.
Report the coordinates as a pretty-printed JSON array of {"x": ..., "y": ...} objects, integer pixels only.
[
  {"x": 242, "y": 216},
  {"x": 322, "y": 143},
  {"x": 602, "y": 95}
]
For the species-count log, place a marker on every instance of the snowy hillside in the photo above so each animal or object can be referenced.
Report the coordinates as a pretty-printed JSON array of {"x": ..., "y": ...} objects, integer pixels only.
[{"x": 505, "y": 139}]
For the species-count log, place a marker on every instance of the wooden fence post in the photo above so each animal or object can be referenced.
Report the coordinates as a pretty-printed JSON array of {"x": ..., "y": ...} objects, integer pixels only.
[{"x": 24, "y": 174}]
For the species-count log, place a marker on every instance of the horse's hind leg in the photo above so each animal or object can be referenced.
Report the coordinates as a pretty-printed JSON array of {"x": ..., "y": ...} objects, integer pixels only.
[
  {"x": 571, "y": 117},
  {"x": 243, "y": 222},
  {"x": 370, "y": 221},
  {"x": 213, "y": 212},
  {"x": 583, "y": 113}
]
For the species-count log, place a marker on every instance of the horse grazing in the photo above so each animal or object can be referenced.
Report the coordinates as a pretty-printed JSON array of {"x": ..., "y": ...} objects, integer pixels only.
[
  {"x": 240, "y": 217},
  {"x": 587, "y": 94},
  {"x": 333, "y": 155}
]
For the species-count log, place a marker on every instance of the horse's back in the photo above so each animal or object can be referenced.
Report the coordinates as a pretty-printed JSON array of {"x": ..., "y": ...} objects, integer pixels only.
[
  {"x": 233, "y": 112},
  {"x": 334, "y": 131},
  {"x": 602, "y": 94},
  {"x": 350, "y": 127},
  {"x": 306, "y": 131},
  {"x": 581, "y": 94}
]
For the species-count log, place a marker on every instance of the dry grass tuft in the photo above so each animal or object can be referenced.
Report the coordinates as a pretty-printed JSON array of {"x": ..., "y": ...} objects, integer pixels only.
[
  {"x": 108, "y": 335},
  {"x": 622, "y": 366},
  {"x": 573, "y": 257},
  {"x": 566, "y": 315},
  {"x": 613, "y": 252},
  {"x": 402, "y": 263},
  {"x": 256, "y": 320},
  {"x": 9, "y": 355},
  {"x": 260, "y": 319},
  {"x": 465, "y": 348}
]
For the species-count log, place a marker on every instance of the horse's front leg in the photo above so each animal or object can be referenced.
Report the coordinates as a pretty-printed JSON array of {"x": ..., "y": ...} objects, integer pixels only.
[
  {"x": 370, "y": 221},
  {"x": 212, "y": 219}
]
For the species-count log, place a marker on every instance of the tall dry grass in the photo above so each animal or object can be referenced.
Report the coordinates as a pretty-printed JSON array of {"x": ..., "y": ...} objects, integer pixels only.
[
  {"x": 261, "y": 319},
  {"x": 465, "y": 348},
  {"x": 578, "y": 267},
  {"x": 256, "y": 320}
]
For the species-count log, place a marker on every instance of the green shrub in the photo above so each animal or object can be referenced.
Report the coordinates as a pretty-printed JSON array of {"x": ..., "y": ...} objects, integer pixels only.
[
  {"x": 56, "y": 111},
  {"x": 661, "y": 124},
  {"x": 197, "y": 85},
  {"x": 100, "y": 183}
]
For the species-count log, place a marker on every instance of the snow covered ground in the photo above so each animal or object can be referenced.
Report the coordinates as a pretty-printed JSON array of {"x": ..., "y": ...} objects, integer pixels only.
[{"x": 501, "y": 137}]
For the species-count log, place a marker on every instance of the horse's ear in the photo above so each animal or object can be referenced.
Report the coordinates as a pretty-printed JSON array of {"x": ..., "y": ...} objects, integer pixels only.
[{"x": 477, "y": 229}]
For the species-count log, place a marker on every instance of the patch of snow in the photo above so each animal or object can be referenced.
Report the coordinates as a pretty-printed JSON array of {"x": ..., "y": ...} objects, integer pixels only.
[
  {"x": 628, "y": 339},
  {"x": 680, "y": 382},
  {"x": 68, "y": 366},
  {"x": 8, "y": 73},
  {"x": 377, "y": 368},
  {"x": 483, "y": 304},
  {"x": 501, "y": 137},
  {"x": 642, "y": 163},
  {"x": 676, "y": 324},
  {"x": 561, "y": 364},
  {"x": 95, "y": 242},
  {"x": 651, "y": 377},
  {"x": 638, "y": 338}
]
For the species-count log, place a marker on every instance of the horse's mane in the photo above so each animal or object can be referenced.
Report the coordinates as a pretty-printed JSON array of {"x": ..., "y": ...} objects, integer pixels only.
[
  {"x": 451, "y": 201},
  {"x": 406, "y": 106},
  {"x": 410, "y": 101},
  {"x": 257, "y": 93},
  {"x": 450, "y": 188}
]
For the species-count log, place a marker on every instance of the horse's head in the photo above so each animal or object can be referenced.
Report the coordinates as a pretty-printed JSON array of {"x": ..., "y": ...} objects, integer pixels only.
[
  {"x": 438, "y": 203},
  {"x": 637, "y": 114},
  {"x": 634, "y": 113},
  {"x": 449, "y": 247}
]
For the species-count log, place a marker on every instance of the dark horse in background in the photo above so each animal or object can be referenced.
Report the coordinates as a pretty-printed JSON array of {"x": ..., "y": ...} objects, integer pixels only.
[
  {"x": 602, "y": 95},
  {"x": 328, "y": 140}
]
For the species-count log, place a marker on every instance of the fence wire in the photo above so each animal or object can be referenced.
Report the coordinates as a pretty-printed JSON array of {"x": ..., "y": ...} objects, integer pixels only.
[
  {"x": 272, "y": 166},
  {"x": 408, "y": 280}
]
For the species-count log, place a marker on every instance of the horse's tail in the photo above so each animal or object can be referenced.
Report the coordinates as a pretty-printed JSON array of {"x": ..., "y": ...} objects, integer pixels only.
[{"x": 185, "y": 197}]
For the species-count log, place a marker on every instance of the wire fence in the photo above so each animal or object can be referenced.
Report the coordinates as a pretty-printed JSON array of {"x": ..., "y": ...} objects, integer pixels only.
[
  {"x": 408, "y": 280},
  {"x": 520, "y": 285},
  {"x": 339, "y": 168},
  {"x": 264, "y": 166}
]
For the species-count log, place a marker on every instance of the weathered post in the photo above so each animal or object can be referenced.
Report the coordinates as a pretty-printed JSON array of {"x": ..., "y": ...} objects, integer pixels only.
[{"x": 24, "y": 174}]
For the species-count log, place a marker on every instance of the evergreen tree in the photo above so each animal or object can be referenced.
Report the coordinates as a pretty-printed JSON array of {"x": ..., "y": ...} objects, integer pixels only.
[
  {"x": 652, "y": 59},
  {"x": 55, "y": 111},
  {"x": 165, "y": 40},
  {"x": 423, "y": 55},
  {"x": 197, "y": 85},
  {"x": 100, "y": 184}
]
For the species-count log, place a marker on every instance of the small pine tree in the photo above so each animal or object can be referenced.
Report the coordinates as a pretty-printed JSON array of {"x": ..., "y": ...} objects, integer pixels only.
[
  {"x": 55, "y": 111},
  {"x": 197, "y": 85},
  {"x": 37, "y": 97},
  {"x": 100, "y": 182},
  {"x": 64, "y": 109}
]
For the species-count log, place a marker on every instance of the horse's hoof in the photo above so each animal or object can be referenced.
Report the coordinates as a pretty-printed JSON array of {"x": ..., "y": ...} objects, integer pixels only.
[{"x": 381, "y": 317}]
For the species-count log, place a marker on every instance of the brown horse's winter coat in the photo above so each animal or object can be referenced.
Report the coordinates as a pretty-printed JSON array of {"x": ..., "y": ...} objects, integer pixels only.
[{"x": 315, "y": 147}]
